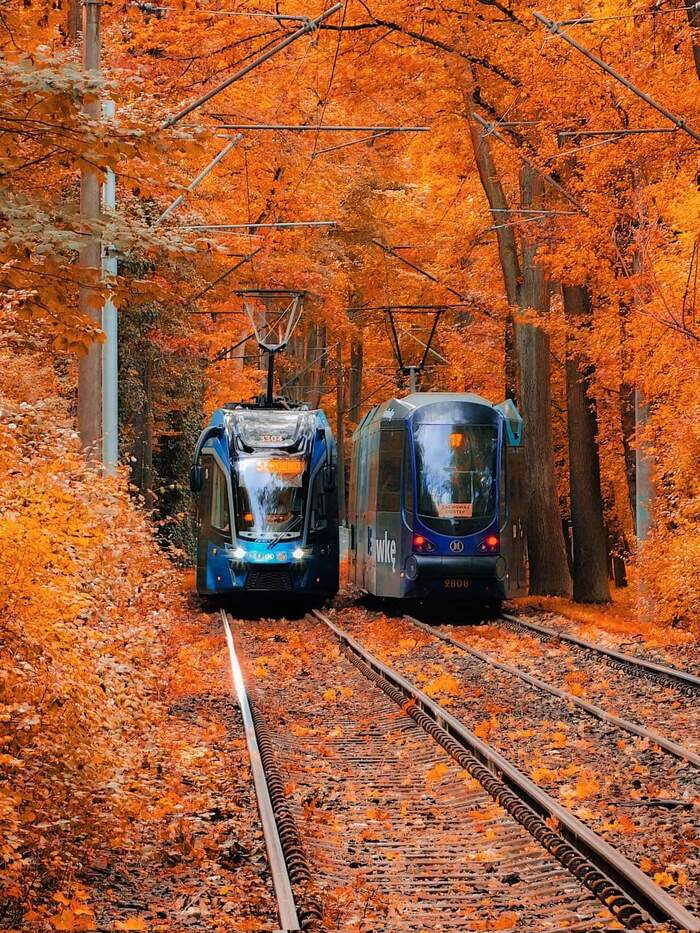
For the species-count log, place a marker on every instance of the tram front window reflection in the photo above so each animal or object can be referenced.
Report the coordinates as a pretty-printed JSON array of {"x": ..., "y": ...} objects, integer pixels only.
[
  {"x": 456, "y": 476},
  {"x": 269, "y": 497}
]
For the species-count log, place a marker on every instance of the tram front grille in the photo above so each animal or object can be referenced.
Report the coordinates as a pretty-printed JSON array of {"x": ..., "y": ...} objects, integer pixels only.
[{"x": 269, "y": 580}]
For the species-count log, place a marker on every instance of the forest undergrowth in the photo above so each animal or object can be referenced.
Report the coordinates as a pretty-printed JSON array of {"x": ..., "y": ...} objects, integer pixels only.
[{"x": 125, "y": 802}]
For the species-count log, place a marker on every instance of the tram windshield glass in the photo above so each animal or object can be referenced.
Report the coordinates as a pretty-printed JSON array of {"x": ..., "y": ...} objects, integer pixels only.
[
  {"x": 456, "y": 473},
  {"x": 269, "y": 497}
]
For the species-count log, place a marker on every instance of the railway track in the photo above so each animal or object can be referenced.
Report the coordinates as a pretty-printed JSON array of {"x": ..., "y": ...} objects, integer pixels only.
[
  {"x": 664, "y": 713},
  {"x": 286, "y": 861},
  {"x": 661, "y": 673},
  {"x": 408, "y": 820},
  {"x": 481, "y": 680}
]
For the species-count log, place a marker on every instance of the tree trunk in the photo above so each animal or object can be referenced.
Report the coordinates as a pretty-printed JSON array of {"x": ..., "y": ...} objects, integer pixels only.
[
  {"x": 340, "y": 431},
  {"x": 694, "y": 23},
  {"x": 147, "y": 462},
  {"x": 142, "y": 464},
  {"x": 317, "y": 369},
  {"x": 589, "y": 537},
  {"x": 73, "y": 20},
  {"x": 507, "y": 246},
  {"x": 627, "y": 430},
  {"x": 549, "y": 571},
  {"x": 355, "y": 381}
]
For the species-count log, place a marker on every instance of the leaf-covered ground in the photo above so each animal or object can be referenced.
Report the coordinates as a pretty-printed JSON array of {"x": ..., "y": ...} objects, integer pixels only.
[
  {"x": 125, "y": 800},
  {"x": 644, "y": 801}
]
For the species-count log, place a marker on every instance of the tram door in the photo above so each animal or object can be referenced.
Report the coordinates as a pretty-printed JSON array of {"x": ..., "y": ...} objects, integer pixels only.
[
  {"x": 203, "y": 512},
  {"x": 361, "y": 507},
  {"x": 213, "y": 517},
  {"x": 370, "y": 516},
  {"x": 388, "y": 522}
]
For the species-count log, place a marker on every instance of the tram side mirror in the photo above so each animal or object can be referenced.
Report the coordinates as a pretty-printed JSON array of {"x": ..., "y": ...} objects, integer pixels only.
[
  {"x": 513, "y": 423},
  {"x": 196, "y": 478}
]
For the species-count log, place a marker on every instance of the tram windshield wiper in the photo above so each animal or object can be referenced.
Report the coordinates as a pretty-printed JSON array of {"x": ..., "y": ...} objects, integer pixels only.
[{"x": 289, "y": 526}]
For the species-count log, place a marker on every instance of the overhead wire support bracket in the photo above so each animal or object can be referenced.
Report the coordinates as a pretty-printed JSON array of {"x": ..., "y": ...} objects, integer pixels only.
[
  {"x": 200, "y": 178},
  {"x": 241, "y": 73},
  {"x": 493, "y": 130},
  {"x": 555, "y": 30},
  {"x": 352, "y": 142}
]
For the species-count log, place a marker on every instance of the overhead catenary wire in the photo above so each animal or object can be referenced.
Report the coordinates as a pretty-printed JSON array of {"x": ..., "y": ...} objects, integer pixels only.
[
  {"x": 284, "y": 224},
  {"x": 588, "y": 20},
  {"x": 152, "y": 8},
  {"x": 225, "y": 275},
  {"x": 554, "y": 29},
  {"x": 491, "y": 128},
  {"x": 621, "y": 132},
  {"x": 242, "y": 72},
  {"x": 318, "y": 128},
  {"x": 354, "y": 142}
]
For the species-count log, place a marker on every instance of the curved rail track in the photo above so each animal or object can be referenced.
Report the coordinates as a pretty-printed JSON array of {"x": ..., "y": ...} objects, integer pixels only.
[
  {"x": 632, "y": 892},
  {"x": 661, "y": 673}
]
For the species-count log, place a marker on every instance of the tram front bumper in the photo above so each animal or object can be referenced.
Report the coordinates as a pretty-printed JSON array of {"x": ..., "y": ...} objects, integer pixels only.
[{"x": 425, "y": 567}]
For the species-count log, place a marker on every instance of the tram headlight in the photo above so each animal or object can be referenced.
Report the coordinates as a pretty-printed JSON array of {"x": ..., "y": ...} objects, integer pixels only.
[
  {"x": 422, "y": 545},
  {"x": 239, "y": 553},
  {"x": 298, "y": 553}
]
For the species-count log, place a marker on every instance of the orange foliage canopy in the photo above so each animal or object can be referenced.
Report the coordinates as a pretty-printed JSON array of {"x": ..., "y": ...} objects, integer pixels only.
[{"x": 628, "y": 230}]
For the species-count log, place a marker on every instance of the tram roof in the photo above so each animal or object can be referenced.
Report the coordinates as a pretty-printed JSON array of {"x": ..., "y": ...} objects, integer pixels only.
[{"x": 402, "y": 408}]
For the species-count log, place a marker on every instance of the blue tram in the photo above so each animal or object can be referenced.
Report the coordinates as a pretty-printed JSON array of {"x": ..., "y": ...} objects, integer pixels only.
[
  {"x": 437, "y": 503},
  {"x": 265, "y": 478}
]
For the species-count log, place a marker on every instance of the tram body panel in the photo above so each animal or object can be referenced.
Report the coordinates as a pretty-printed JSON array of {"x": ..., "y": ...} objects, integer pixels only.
[
  {"x": 445, "y": 515},
  {"x": 267, "y": 503}
]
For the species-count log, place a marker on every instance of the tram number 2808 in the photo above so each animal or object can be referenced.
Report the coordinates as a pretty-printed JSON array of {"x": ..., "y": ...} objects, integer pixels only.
[{"x": 455, "y": 583}]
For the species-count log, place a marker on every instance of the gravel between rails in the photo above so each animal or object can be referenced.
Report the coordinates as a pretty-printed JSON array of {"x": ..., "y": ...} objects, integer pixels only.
[
  {"x": 610, "y": 780},
  {"x": 401, "y": 837}
]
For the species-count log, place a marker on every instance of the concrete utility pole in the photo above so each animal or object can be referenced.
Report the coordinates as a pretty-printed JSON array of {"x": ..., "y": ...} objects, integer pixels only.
[
  {"x": 90, "y": 365},
  {"x": 110, "y": 348}
]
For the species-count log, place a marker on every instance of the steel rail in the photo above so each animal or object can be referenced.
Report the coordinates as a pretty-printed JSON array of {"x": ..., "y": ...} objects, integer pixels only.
[
  {"x": 286, "y": 905},
  {"x": 617, "y": 868},
  {"x": 673, "y": 748},
  {"x": 673, "y": 674}
]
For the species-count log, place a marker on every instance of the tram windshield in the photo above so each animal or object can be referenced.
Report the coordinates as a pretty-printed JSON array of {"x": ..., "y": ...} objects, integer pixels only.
[
  {"x": 269, "y": 497},
  {"x": 456, "y": 473}
]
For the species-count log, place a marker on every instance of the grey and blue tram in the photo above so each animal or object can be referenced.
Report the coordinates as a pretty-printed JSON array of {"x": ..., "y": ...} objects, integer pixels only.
[
  {"x": 265, "y": 480},
  {"x": 437, "y": 502}
]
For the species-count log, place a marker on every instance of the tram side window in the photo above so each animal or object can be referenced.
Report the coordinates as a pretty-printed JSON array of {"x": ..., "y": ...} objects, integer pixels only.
[
  {"x": 220, "y": 518},
  {"x": 504, "y": 484},
  {"x": 319, "y": 516},
  {"x": 373, "y": 454},
  {"x": 407, "y": 478},
  {"x": 390, "y": 455}
]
